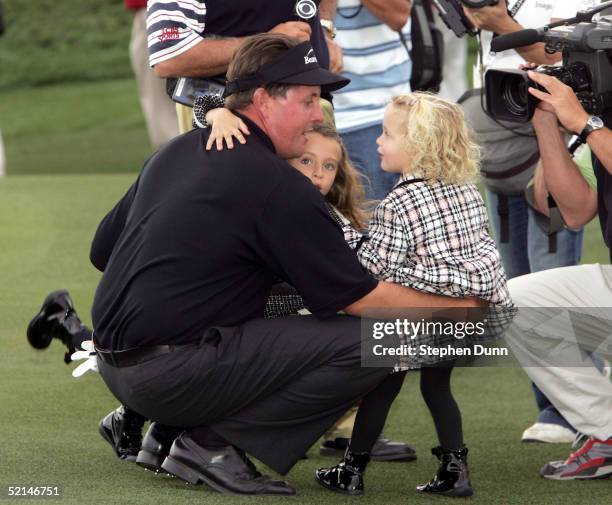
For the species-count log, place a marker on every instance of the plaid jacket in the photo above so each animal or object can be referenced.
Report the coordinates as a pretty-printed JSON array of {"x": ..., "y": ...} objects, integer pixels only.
[{"x": 433, "y": 237}]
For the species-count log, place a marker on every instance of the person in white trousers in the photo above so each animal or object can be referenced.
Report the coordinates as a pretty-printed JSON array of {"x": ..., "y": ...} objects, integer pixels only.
[
  {"x": 566, "y": 313},
  {"x": 159, "y": 111}
]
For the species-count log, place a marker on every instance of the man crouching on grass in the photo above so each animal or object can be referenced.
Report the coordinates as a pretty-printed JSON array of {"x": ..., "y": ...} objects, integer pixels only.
[{"x": 189, "y": 255}]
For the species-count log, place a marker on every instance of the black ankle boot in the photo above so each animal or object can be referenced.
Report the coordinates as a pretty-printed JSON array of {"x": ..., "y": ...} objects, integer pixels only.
[
  {"x": 347, "y": 476},
  {"x": 56, "y": 319},
  {"x": 156, "y": 446},
  {"x": 122, "y": 429},
  {"x": 452, "y": 477}
]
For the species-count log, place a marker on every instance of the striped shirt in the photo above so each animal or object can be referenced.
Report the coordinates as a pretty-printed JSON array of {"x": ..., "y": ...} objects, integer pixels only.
[
  {"x": 375, "y": 60},
  {"x": 173, "y": 27}
]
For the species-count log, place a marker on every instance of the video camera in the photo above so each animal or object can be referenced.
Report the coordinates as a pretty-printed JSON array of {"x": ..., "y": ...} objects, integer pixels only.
[
  {"x": 451, "y": 12},
  {"x": 586, "y": 68}
]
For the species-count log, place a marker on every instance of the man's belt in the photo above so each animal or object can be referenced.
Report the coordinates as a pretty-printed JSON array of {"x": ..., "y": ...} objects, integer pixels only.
[{"x": 137, "y": 355}]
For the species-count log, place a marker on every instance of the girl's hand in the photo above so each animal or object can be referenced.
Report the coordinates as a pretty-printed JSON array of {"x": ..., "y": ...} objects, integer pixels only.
[{"x": 225, "y": 125}]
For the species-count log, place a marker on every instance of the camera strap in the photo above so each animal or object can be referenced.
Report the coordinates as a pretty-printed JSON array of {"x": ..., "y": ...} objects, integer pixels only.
[
  {"x": 516, "y": 7},
  {"x": 551, "y": 224},
  {"x": 514, "y": 11}
]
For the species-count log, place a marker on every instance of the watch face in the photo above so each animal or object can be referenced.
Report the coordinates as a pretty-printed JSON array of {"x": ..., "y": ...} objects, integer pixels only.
[{"x": 596, "y": 122}]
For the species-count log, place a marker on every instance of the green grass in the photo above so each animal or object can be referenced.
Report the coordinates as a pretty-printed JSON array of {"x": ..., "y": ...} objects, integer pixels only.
[
  {"x": 50, "y": 41},
  {"x": 48, "y": 420},
  {"x": 74, "y": 128}
]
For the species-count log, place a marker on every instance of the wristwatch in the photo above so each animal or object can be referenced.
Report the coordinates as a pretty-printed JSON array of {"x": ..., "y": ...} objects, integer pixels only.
[
  {"x": 329, "y": 26},
  {"x": 594, "y": 123}
]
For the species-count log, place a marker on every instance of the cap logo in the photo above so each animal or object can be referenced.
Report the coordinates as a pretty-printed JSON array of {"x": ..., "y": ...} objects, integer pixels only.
[{"x": 310, "y": 57}]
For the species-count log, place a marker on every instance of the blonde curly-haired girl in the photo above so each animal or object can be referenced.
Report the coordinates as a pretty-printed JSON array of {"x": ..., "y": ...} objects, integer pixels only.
[{"x": 429, "y": 233}]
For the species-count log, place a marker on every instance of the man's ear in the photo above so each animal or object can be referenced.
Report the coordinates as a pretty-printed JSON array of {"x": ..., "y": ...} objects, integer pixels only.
[{"x": 261, "y": 99}]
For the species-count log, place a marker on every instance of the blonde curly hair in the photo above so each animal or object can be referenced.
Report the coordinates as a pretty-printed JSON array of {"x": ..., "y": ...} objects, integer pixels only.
[{"x": 439, "y": 141}]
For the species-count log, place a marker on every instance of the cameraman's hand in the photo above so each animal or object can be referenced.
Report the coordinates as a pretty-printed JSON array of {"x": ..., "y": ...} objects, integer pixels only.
[
  {"x": 493, "y": 18},
  {"x": 294, "y": 29},
  {"x": 561, "y": 100},
  {"x": 544, "y": 115}
]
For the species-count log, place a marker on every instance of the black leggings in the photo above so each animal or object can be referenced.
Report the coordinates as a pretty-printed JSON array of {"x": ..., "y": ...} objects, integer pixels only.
[
  {"x": 436, "y": 391},
  {"x": 373, "y": 411}
]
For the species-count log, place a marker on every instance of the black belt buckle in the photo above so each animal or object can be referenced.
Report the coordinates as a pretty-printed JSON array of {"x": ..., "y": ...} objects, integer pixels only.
[{"x": 108, "y": 357}]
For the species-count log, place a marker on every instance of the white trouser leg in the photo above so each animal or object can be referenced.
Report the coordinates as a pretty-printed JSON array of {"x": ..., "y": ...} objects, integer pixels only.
[
  {"x": 159, "y": 111},
  {"x": 581, "y": 393}
]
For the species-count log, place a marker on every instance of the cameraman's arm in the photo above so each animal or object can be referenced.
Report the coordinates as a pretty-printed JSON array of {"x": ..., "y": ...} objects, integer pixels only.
[
  {"x": 496, "y": 19},
  {"x": 600, "y": 142},
  {"x": 176, "y": 42},
  {"x": 179, "y": 44},
  {"x": 576, "y": 200},
  {"x": 394, "y": 13},
  {"x": 211, "y": 56},
  {"x": 207, "y": 58},
  {"x": 327, "y": 9}
]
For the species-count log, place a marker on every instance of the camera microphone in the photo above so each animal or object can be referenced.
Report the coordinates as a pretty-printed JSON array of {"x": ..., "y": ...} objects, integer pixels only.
[{"x": 517, "y": 39}]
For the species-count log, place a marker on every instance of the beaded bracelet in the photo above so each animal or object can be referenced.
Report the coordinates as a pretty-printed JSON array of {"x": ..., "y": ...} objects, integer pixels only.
[{"x": 201, "y": 105}]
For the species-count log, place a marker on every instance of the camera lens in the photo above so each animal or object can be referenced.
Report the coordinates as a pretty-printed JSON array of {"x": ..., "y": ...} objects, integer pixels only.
[{"x": 515, "y": 96}]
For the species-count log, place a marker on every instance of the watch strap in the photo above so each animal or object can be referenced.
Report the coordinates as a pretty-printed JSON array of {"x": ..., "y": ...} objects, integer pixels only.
[
  {"x": 589, "y": 128},
  {"x": 329, "y": 26}
]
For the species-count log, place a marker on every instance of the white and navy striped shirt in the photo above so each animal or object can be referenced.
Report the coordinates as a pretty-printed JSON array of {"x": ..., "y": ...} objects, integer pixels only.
[
  {"x": 173, "y": 27},
  {"x": 375, "y": 60}
]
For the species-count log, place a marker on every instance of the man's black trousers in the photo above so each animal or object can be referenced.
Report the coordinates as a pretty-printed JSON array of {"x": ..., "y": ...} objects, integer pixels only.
[{"x": 271, "y": 386}]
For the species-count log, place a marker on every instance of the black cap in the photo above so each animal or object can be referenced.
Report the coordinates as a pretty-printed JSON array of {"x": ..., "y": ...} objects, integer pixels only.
[{"x": 297, "y": 66}]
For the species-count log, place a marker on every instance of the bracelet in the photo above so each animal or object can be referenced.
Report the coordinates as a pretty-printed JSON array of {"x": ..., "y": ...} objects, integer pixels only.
[{"x": 201, "y": 105}]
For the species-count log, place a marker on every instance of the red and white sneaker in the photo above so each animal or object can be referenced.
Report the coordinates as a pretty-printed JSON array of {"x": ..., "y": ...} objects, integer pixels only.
[{"x": 592, "y": 461}]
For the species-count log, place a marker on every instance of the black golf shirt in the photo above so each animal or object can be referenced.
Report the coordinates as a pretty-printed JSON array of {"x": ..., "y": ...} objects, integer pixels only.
[{"x": 201, "y": 237}]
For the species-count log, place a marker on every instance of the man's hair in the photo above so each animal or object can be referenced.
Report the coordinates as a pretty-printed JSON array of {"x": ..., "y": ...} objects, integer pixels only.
[{"x": 253, "y": 54}]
